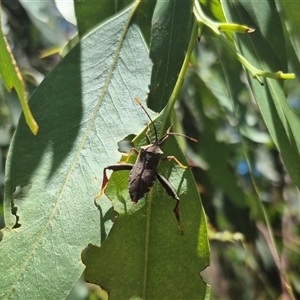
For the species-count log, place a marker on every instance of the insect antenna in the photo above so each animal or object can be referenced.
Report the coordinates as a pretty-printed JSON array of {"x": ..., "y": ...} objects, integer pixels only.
[
  {"x": 164, "y": 137},
  {"x": 183, "y": 135},
  {"x": 141, "y": 105}
]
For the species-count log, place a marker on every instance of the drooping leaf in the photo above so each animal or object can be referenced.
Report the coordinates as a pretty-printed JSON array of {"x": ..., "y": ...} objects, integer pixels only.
[
  {"x": 84, "y": 107},
  {"x": 265, "y": 50},
  {"x": 12, "y": 78},
  {"x": 144, "y": 18},
  {"x": 291, "y": 13},
  {"x": 171, "y": 32}
]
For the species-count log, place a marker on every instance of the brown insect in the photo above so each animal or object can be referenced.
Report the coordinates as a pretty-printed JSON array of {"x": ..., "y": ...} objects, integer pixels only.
[{"x": 144, "y": 172}]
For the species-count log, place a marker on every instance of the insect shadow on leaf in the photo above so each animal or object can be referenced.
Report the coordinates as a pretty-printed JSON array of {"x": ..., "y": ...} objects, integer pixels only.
[{"x": 143, "y": 172}]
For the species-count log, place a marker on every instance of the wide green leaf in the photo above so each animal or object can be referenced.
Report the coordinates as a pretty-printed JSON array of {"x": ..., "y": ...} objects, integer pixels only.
[
  {"x": 145, "y": 255},
  {"x": 84, "y": 107}
]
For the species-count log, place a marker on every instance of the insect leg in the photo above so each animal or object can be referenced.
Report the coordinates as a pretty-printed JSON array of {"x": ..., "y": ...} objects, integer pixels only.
[
  {"x": 169, "y": 158},
  {"x": 119, "y": 167},
  {"x": 132, "y": 150},
  {"x": 171, "y": 192},
  {"x": 165, "y": 136}
]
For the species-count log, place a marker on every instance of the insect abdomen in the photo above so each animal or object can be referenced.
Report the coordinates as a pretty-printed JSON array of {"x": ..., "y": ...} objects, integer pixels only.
[
  {"x": 141, "y": 184},
  {"x": 143, "y": 173}
]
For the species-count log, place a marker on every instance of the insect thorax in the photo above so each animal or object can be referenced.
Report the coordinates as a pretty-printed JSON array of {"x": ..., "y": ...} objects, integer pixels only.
[{"x": 150, "y": 155}]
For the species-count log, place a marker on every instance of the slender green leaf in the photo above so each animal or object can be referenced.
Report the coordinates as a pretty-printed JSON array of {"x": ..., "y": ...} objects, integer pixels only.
[
  {"x": 213, "y": 9},
  {"x": 84, "y": 107},
  {"x": 171, "y": 31},
  {"x": 144, "y": 18},
  {"x": 12, "y": 78},
  {"x": 291, "y": 13},
  {"x": 264, "y": 49}
]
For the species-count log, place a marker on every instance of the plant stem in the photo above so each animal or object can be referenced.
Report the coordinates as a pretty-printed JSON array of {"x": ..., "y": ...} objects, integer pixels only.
[
  {"x": 170, "y": 106},
  {"x": 215, "y": 27}
]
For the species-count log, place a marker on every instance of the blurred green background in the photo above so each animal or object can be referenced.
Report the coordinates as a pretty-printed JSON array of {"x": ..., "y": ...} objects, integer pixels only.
[{"x": 244, "y": 264}]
